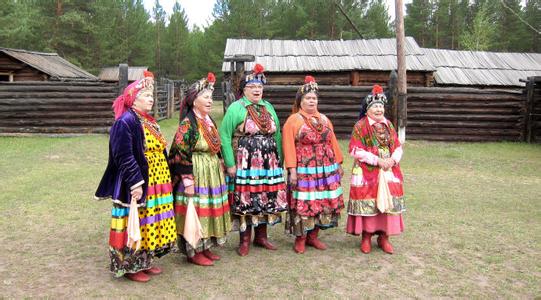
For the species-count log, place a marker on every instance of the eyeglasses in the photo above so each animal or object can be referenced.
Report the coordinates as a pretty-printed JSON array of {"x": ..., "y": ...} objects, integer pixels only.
[{"x": 254, "y": 86}]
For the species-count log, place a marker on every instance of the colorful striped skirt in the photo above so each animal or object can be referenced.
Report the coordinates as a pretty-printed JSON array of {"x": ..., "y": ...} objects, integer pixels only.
[
  {"x": 316, "y": 200},
  {"x": 156, "y": 221},
  {"x": 210, "y": 202},
  {"x": 258, "y": 192}
]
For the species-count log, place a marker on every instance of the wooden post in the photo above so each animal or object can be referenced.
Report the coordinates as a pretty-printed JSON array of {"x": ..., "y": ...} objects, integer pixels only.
[
  {"x": 355, "y": 77},
  {"x": 527, "y": 136},
  {"x": 156, "y": 100},
  {"x": 392, "y": 90},
  {"x": 170, "y": 99},
  {"x": 401, "y": 62},
  {"x": 122, "y": 77}
]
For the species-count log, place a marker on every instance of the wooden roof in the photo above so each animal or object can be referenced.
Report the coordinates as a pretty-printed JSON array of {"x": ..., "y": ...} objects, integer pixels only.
[
  {"x": 326, "y": 56},
  {"x": 482, "y": 68},
  {"x": 111, "y": 73},
  {"x": 49, "y": 63}
]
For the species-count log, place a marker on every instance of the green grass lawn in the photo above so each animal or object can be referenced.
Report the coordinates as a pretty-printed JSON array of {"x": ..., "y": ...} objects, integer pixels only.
[{"x": 473, "y": 230}]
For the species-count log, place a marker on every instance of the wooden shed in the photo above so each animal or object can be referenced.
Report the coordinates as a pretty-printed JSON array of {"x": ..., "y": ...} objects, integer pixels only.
[
  {"x": 482, "y": 69},
  {"x": 23, "y": 65},
  {"x": 336, "y": 62},
  {"x": 110, "y": 74}
]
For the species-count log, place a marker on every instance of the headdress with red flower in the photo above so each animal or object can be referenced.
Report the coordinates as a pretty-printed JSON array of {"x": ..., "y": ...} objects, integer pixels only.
[
  {"x": 377, "y": 96},
  {"x": 131, "y": 92},
  {"x": 256, "y": 76},
  {"x": 310, "y": 85}
]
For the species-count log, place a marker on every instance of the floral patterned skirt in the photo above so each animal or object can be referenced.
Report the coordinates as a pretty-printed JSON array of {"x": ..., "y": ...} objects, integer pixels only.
[
  {"x": 257, "y": 193},
  {"x": 317, "y": 199}
]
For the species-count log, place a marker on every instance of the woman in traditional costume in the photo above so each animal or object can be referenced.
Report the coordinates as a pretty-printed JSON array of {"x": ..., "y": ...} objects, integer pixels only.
[
  {"x": 251, "y": 147},
  {"x": 200, "y": 192},
  {"x": 138, "y": 181},
  {"x": 376, "y": 193},
  {"x": 314, "y": 163}
]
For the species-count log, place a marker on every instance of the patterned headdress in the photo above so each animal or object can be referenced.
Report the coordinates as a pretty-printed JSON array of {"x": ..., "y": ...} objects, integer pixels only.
[
  {"x": 310, "y": 86},
  {"x": 377, "y": 96},
  {"x": 131, "y": 92},
  {"x": 196, "y": 89}
]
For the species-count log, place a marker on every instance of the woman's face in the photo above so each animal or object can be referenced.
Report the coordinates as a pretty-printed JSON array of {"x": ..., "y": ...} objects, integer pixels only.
[
  {"x": 144, "y": 101},
  {"x": 309, "y": 103},
  {"x": 376, "y": 112},
  {"x": 254, "y": 92},
  {"x": 203, "y": 103}
]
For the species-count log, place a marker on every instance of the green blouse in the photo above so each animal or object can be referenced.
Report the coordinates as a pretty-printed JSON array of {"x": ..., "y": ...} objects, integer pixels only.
[{"x": 235, "y": 115}]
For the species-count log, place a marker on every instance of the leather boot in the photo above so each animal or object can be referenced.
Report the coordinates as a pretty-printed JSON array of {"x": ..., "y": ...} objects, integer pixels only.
[
  {"x": 153, "y": 271},
  {"x": 261, "y": 238},
  {"x": 137, "y": 277},
  {"x": 299, "y": 244},
  {"x": 366, "y": 243},
  {"x": 313, "y": 241},
  {"x": 200, "y": 259},
  {"x": 384, "y": 244},
  {"x": 244, "y": 242},
  {"x": 211, "y": 255}
]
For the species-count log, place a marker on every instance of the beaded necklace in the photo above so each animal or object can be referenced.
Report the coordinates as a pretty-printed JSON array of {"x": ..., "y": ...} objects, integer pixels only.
[
  {"x": 152, "y": 127},
  {"x": 263, "y": 120},
  {"x": 210, "y": 134},
  {"x": 314, "y": 123}
]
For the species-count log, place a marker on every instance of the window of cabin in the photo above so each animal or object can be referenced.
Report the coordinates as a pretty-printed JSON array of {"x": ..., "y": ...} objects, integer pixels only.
[{"x": 6, "y": 77}]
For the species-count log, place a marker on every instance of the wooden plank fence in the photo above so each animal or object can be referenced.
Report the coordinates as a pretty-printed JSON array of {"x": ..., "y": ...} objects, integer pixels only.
[
  {"x": 533, "y": 109},
  {"x": 168, "y": 95}
]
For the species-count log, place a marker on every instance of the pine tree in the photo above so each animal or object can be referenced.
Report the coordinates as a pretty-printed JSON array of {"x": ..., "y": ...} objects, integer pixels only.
[
  {"x": 158, "y": 13},
  {"x": 377, "y": 21},
  {"x": 176, "y": 44},
  {"x": 511, "y": 33},
  {"x": 481, "y": 35},
  {"x": 532, "y": 15},
  {"x": 417, "y": 22}
]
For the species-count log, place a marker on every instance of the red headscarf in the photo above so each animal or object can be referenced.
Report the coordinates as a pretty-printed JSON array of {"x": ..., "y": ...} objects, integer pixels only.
[{"x": 126, "y": 99}]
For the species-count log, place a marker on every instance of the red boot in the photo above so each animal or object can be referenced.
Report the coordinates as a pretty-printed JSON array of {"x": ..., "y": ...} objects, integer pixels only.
[
  {"x": 211, "y": 255},
  {"x": 384, "y": 244},
  {"x": 299, "y": 244},
  {"x": 137, "y": 277},
  {"x": 153, "y": 271},
  {"x": 366, "y": 243},
  {"x": 244, "y": 244},
  {"x": 201, "y": 260},
  {"x": 313, "y": 241},
  {"x": 261, "y": 238}
]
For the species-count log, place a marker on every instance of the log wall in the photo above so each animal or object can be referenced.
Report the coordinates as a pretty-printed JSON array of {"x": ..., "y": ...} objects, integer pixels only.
[
  {"x": 439, "y": 114},
  {"x": 465, "y": 114},
  {"x": 48, "y": 107}
]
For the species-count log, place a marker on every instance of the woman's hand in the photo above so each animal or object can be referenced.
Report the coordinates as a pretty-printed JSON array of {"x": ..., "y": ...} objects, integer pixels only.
[
  {"x": 232, "y": 171},
  {"x": 189, "y": 190},
  {"x": 136, "y": 193},
  {"x": 384, "y": 163},
  {"x": 293, "y": 177}
]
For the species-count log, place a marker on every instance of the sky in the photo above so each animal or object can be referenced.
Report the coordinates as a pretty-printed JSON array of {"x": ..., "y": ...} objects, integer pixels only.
[{"x": 199, "y": 12}]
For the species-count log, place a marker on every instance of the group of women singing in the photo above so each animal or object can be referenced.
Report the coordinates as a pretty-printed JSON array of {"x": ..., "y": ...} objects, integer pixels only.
[{"x": 213, "y": 181}]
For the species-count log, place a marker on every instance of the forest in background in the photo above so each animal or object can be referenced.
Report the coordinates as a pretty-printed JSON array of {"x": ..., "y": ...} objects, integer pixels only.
[{"x": 98, "y": 33}]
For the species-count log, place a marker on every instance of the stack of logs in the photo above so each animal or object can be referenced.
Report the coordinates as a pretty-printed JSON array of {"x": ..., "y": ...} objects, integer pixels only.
[{"x": 48, "y": 107}]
